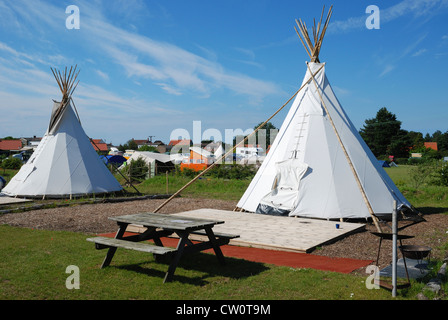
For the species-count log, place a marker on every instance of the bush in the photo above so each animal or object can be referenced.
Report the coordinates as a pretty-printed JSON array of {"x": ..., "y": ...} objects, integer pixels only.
[
  {"x": 136, "y": 170},
  {"x": 235, "y": 171},
  {"x": 11, "y": 163},
  {"x": 187, "y": 172},
  {"x": 415, "y": 161},
  {"x": 421, "y": 173},
  {"x": 441, "y": 176},
  {"x": 401, "y": 160},
  {"x": 221, "y": 171}
]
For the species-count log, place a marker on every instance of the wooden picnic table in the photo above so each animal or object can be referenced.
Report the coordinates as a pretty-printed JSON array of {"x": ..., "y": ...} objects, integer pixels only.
[{"x": 159, "y": 226}]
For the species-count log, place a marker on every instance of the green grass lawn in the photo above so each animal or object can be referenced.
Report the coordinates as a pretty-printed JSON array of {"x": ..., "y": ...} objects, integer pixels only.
[
  {"x": 204, "y": 187},
  {"x": 425, "y": 196},
  {"x": 33, "y": 262}
]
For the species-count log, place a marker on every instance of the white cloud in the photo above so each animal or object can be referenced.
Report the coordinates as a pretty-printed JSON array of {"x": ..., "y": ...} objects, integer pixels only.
[
  {"x": 388, "y": 68},
  {"x": 177, "y": 69},
  {"x": 341, "y": 91},
  {"x": 174, "y": 69},
  {"x": 102, "y": 75},
  {"x": 392, "y": 59},
  {"x": 419, "y": 52}
]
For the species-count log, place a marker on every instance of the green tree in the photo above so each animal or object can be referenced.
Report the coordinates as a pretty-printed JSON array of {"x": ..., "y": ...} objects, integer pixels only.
[
  {"x": 148, "y": 148},
  {"x": 264, "y": 134},
  {"x": 441, "y": 139},
  {"x": 400, "y": 145},
  {"x": 416, "y": 138},
  {"x": 130, "y": 145},
  {"x": 384, "y": 136},
  {"x": 11, "y": 163},
  {"x": 136, "y": 170}
]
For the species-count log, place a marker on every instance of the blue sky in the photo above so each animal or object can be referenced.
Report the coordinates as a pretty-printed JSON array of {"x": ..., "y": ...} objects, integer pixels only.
[{"x": 150, "y": 67}]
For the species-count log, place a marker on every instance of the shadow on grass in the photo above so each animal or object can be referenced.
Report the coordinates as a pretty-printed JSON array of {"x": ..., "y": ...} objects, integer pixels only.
[
  {"x": 432, "y": 210},
  {"x": 202, "y": 265}
]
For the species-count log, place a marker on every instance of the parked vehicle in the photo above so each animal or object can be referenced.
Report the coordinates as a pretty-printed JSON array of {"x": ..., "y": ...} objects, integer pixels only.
[{"x": 2, "y": 183}]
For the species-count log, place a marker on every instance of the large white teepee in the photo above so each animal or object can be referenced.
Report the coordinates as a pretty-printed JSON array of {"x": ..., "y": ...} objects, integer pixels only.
[
  {"x": 319, "y": 166},
  {"x": 64, "y": 163}
]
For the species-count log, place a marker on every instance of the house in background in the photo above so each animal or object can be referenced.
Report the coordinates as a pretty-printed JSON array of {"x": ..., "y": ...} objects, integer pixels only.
[
  {"x": 199, "y": 159},
  {"x": 10, "y": 146},
  {"x": 250, "y": 151},
  {"x": 100, "y": 146},
  {"x": 431, "y": 145},
  {"x": 141, "y": 143},
  {"x": 158, "y": 145},
  {"x": 179, "y": 146},
  {"x": 31, "y": 142}
]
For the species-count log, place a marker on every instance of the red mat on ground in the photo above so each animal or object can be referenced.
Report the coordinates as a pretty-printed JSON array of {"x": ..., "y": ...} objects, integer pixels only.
[{"x": 281, "y": 258}]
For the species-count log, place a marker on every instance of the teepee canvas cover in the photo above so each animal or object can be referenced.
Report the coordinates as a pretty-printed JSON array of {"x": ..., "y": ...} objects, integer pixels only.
[
  {"x": 64, "y": 163},
  {"x": 306, "y": 151},
  {"x": 319, "y": 166}
]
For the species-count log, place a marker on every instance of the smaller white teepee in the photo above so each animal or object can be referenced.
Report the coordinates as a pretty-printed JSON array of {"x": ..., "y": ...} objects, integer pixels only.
[{"x": 64, "y": 163}]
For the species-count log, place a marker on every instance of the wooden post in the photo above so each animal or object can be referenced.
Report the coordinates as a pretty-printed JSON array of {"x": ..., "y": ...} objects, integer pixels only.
[
  {"x": 166, "y": 174},
  {"x": 394, "y": 249},
  {"x": 130, "y": 173}
]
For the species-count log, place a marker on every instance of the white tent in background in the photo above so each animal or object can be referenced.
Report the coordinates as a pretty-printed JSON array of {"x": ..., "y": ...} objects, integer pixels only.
[
  {"x": 64, "y": 163},
  {"x": 319, "y": 166},
  {"x": 157, "y": 162},
  {"x": 219, "y": 151}
]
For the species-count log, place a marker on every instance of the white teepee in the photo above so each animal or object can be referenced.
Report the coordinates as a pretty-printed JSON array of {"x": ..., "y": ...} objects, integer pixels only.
[
  {"x": 319, "y": 166},
  {"x": 65, "y": 162}
]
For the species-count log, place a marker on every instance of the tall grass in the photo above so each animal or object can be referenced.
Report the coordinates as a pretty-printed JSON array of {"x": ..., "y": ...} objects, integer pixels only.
[
  {"x": 424, "y": 194},
  {"x": 204, "y": 187}
]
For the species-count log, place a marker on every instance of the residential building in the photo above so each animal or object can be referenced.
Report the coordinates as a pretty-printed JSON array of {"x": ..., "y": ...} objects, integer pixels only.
[
  {"x": 199, "y": 159},
  {"x": 10, "y": 146},
  {"x": 100, "y": 146},
  {"x": 431, "y": 145},
  {"x": 179, "y": 146}
]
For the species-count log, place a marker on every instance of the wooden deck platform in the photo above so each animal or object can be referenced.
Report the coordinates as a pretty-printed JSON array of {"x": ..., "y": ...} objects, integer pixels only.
[
  {"x": 278, "y": 233},
  {"x": 4, "y": 199}
]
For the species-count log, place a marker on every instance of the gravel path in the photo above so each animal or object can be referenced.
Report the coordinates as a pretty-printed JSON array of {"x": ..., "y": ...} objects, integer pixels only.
[{"x": 93, "y": 218}]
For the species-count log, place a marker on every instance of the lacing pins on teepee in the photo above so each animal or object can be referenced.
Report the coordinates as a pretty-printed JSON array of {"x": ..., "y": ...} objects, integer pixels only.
[
  {"x": 343, "y": 179},
  {"x": 319, "y": 154}
]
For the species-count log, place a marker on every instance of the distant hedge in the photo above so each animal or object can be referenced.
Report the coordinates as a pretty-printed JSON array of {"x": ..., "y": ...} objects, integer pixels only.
[{"x": 11, "y": 163}]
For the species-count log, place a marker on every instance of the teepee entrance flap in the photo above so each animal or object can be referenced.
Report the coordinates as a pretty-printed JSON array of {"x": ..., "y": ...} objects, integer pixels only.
[{"x": 285, "y": 190}]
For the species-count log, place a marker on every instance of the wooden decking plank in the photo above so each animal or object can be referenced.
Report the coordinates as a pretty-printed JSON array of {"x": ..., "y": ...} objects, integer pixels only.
[{"x": 279, "y": 233}]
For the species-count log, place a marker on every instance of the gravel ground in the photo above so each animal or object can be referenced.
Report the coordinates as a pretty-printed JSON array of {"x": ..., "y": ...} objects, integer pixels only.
[{"x": 93, "y": 218}]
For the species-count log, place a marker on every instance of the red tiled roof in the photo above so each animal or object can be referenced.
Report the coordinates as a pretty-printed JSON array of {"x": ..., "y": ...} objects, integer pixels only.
[
  {"x": 431, "y": 145},
  {"x": 98, "y": 145},
  {"x": 8, "y": 145},
  {"x": 140, "y": 142},
  {"x": 180, "y": 142}
]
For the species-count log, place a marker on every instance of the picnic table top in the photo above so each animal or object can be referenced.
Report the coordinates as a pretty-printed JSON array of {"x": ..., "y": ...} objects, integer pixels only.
[{"x": 166, "y": 221}]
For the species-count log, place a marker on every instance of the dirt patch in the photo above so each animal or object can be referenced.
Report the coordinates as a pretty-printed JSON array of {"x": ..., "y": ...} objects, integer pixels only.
[{"x": 93, "y": 218}]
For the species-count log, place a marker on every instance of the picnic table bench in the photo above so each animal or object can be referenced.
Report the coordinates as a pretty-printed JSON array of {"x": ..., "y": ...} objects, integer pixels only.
[{"x": 159, "y": 226}]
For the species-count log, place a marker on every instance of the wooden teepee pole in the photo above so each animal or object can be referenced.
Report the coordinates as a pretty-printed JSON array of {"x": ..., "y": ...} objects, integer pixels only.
[
  {"x": 232, "y": 150},
  {"x": 366, "y": 200},
  {"x": 66, "y": 82},
  {"x": 318, "y": 35}
]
